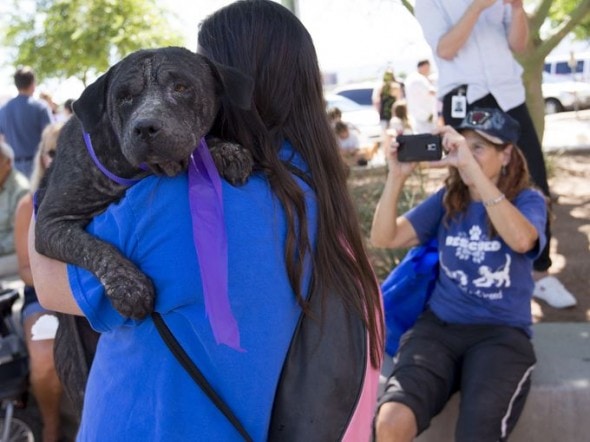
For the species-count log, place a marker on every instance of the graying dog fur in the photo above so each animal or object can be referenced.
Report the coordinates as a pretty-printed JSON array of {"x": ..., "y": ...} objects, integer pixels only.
[{"x": 151, "y": 108}]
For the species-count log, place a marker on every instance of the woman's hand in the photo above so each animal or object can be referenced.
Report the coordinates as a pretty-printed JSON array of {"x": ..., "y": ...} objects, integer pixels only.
[
  {"x": 458, "y": 155},
  {"x": 396, "y": 168}
]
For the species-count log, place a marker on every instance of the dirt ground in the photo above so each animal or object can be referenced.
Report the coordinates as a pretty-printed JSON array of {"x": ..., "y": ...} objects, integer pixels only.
[{"x": 570, "y": 249}]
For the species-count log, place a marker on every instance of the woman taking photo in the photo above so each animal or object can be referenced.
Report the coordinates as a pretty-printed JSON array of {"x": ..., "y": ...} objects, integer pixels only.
[{"x": 474, "y": 335}]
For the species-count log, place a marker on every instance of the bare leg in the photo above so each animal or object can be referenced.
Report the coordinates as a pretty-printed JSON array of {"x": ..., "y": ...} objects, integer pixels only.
[
  {"x": 44, "y": 381},
  {"x": 395, "y": 423}
]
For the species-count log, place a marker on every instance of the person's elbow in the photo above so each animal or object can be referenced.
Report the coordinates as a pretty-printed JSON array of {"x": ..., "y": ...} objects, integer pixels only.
[
  {"x": 445, "y": 53},
  {"x": 518, "y": 47},
  {"x": 379, "y": 240},
  {"x": 525, "y": 243}
]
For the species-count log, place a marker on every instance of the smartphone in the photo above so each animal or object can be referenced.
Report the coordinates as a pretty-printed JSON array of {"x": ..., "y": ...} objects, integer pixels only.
[{"x": 419, "y": 147}]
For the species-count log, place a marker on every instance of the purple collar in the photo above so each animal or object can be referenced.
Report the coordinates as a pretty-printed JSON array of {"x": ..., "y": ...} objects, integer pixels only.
[{"x": 117, "y": 179}]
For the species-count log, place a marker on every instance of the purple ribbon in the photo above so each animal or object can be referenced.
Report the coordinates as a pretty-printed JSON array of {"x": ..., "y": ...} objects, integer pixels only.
[{"x": 210, "y": 238}]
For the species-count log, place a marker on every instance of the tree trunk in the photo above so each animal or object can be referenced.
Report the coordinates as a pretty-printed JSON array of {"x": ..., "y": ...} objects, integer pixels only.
[{"x": 532, "y": 78}]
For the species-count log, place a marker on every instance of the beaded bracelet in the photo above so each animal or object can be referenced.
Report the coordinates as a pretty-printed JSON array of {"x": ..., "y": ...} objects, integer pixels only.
[{"x": 493, "y": 202}]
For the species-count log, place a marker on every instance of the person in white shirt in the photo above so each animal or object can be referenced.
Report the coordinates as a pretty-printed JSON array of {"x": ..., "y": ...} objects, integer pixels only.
[
  {"x": 473, "y": 43},
  {"x": 421, "y": 98}
]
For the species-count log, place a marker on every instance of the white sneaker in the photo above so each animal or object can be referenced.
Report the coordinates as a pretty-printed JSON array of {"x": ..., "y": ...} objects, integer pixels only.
[{"x": 550, "y": 290}]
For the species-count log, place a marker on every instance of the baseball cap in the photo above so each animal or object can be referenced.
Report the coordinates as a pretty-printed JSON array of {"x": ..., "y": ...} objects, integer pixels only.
[{"x": 493, "y": 124}]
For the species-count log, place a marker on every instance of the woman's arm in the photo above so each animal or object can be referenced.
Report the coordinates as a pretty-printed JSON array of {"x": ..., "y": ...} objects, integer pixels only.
[
  {"x": 51, "y": 280},
  {"x": 388, "y": 229},
  {"x": 451, "y": 42},
  {"x": 22, "y": 219},
  {"x": 512, "y": 226},
  {"x": 518, "y": 34}
]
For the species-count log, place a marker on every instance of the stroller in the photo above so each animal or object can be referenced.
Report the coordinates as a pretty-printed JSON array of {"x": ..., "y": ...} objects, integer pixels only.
[{"x": 18, "y": 422}]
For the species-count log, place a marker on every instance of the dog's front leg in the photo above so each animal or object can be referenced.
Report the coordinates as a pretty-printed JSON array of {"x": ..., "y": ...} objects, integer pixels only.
[{"x": 129, "y": 290}]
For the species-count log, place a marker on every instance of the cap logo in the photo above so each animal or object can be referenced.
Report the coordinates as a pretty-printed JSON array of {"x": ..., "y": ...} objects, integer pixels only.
[{"x": 478, "y": 117}]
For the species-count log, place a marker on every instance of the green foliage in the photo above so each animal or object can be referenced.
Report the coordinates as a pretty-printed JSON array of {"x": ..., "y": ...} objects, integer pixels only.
[
  {"x": 560, "y": 12},
  {"x": 64, "y": 38}
]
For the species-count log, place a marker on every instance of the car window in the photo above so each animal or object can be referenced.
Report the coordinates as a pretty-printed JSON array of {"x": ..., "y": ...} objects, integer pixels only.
[
  {"x": 561, "y": 67},
  {"x": 360, "y": 96}
]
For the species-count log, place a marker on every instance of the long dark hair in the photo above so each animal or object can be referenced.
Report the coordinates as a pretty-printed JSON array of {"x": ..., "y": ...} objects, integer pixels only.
[
  {"x": 264, "y": 40},
  {"x": 514, "y": 179}
]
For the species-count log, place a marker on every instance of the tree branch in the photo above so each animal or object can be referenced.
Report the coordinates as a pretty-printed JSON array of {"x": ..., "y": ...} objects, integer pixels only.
[
  {"x": 408, "y": 6},
  {"x": 539, "y": 16}
]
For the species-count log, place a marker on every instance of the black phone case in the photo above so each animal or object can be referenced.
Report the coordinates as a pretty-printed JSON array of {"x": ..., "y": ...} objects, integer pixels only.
[{"x": 420, "y": 147}]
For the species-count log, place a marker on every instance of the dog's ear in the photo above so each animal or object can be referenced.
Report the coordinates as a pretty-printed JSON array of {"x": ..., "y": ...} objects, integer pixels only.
[
  {"x": 238, "y": 87},
  {"x": 92, "y": 104}
]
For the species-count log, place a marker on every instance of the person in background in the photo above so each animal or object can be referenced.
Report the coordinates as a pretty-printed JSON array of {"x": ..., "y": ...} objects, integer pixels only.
[
  {"x": 40, "y": 325},
  {"x": 292, "y": 233},
  {"x": 474, "y": 335},
  {"x": 334, "y": 115},
  {"x": 421, "y": 98},
  {"x": 67, "y": 111},
  {"x": 350, "y": 145},
  {"x": 473, "y": 44},
  {"x": 401, "y": 123},
  {"x": 384, "y": 97},
  {"x": 13, "y": 185},
  {"x": 53, "y": 107},
  {"x": 22, "y": 120}
]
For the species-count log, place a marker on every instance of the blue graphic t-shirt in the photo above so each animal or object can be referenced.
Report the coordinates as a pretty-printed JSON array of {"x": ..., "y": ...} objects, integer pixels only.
[{"x": 481, "y": 280}]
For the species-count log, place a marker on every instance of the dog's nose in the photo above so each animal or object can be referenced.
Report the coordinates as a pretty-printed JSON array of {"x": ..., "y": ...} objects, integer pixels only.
[{"x": 147, "y": 128}]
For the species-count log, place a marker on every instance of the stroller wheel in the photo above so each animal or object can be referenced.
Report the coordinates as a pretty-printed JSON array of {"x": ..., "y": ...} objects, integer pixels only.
[{"x": 25, "y": 426}]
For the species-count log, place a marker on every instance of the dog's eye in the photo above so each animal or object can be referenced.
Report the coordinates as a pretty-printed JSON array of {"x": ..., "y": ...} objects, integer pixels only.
[
  {"x": 179, "y": 87},
  {"x": 124, "y": 98}
]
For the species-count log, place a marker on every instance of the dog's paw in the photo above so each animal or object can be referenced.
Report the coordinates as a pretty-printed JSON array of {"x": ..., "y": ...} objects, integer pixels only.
[
  {"x": 233, "y": 161},
  {"x": 131, "y": 293}
]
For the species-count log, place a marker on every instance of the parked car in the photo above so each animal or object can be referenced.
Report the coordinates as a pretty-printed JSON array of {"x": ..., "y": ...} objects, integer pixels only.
[
  {"x": 561, "y": 65},
  {"x": 365, "y": 119},
  {"x": 561, "y": 94},
  {"x": 360, "y": 93}
]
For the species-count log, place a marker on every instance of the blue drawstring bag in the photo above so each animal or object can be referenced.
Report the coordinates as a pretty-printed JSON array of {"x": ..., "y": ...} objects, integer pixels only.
[{"x": 406, "y": 291}]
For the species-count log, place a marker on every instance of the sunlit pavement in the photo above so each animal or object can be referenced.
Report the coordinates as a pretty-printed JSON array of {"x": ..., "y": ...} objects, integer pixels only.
[{"x": 567, "y": 131}]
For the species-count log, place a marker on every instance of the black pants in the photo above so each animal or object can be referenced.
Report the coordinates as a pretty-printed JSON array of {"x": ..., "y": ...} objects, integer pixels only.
[
  {"x": 529, "y": 145},
  {"x": 489, "y": 364}
]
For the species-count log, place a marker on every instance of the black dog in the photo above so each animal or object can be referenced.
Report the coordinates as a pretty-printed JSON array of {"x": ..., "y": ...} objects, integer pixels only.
[{"x": 149, "y": 110}]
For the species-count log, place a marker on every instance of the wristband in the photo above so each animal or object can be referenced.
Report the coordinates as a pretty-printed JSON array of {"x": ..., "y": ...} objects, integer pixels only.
[{"x": 494, "y": 201}]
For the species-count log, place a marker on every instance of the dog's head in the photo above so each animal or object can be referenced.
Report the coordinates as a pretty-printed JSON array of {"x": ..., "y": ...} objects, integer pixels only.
[{"x": 159, "y": 103}]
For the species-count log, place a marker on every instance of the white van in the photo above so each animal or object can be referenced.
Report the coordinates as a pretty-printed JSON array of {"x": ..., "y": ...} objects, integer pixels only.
[{"x": 561, "y": 65}]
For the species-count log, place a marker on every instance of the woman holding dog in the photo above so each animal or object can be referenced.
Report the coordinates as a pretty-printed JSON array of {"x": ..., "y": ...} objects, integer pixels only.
[
  {"x": 475, "y": 333},
  {"x": 294, "y": 248}
]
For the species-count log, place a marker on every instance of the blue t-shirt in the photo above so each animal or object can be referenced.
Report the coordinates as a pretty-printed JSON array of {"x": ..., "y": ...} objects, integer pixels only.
[
  {"x": 481, "y": 279},
  {"x": 22, "y": 121},
  {"x": 137, "y": 390}
]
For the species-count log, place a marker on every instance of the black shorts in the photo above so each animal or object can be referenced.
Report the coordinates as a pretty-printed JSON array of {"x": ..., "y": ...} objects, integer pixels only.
[{"x": 489, "y": 364}]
